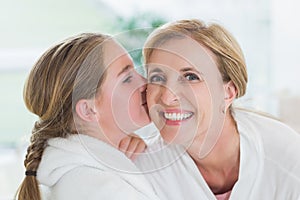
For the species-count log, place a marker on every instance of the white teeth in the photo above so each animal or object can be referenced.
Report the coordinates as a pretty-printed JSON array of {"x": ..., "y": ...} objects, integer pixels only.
[
  {"x": 177, "y": 116},
  {"x": 173, "y": 116}
]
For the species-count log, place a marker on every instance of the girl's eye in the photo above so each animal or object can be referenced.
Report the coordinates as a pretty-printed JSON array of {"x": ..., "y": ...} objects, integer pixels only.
[
  {"x": 156, "y": 79},
  {"x": 191, "y": 77},
  {"x": 127, "y": 79}
]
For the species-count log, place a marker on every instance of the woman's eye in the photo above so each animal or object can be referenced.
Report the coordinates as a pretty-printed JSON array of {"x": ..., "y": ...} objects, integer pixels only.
[
  {"x": 127, "y": 79},
  {"x": 156, "y": 79},
  {"x": 191, "y": 77}
]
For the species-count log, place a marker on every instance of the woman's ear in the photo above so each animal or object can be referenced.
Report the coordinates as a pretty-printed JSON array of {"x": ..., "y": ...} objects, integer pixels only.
[
  {"x": 85, "y": 110},
  {"x": 230, "y": 93}
]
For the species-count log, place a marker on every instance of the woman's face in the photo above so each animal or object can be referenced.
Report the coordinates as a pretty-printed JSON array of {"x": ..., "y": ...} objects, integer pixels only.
[
  {"x": 121, "y": 104},
  {"x": 179, "y": 99}
]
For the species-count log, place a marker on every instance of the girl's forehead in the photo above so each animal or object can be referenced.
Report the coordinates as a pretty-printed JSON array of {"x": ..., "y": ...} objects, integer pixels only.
[{"x": 112, "y": 50}]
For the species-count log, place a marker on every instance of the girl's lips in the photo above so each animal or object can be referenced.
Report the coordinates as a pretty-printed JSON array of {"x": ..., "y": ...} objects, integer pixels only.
[
  {"x": 144, "y": 98},
  {"x": 144, "y": 101}
]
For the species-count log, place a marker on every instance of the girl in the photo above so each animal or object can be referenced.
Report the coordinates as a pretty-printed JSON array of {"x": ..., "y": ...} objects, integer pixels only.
[{"x": 88, "y": 99}]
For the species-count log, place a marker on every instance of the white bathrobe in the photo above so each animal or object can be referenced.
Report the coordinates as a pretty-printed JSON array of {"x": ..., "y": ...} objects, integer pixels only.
[
  {"x": 82, "y": 167},
  {"x": 269, "y": 165}
]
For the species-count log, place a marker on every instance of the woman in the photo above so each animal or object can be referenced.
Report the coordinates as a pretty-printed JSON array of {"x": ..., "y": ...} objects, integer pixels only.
[
  {"x": 195, "y": 72},
  {"x": 88, "y": 99}
]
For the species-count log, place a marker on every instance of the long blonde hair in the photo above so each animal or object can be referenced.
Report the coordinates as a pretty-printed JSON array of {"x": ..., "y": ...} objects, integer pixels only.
[
  {"x": 66, "y": 73},
  {"x": 230, "y": 59}
]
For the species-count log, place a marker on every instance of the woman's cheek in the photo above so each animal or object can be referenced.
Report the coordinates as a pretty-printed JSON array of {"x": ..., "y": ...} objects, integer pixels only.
[{"x": 152, "y": 95}]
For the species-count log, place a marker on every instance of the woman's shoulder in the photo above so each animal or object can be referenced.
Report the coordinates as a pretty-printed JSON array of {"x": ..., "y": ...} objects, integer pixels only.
[
  {"x": 262, "y": 121},
  {"x": 273, "y": 134},
  {"x": 278, "y": 144}
]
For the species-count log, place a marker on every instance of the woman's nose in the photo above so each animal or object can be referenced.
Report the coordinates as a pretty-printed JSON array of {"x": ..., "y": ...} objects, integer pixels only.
[{"x": 168, "y": 97}]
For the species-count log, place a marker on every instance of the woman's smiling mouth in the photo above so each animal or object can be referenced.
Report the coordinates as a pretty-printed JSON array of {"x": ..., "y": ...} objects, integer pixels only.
[{"x": 176, "y": 116}]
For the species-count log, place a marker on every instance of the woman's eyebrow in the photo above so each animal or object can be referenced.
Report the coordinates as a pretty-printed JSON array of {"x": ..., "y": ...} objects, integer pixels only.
[
  {"x": 189, "y": 69},
  {"x": 157, "y": 70}
]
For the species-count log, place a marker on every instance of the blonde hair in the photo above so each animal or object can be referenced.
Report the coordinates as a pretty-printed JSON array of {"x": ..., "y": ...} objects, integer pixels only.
[
  {"x": 66, "y": 73},
  {"x": 230, "y": 59}
]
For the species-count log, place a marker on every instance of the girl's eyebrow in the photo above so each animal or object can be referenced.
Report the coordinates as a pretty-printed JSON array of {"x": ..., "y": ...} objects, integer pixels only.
[{"x": 125, "y": 69}]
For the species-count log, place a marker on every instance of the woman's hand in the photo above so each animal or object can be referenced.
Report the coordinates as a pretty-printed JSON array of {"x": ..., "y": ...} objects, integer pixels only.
[{"x": 132, "y": 146}]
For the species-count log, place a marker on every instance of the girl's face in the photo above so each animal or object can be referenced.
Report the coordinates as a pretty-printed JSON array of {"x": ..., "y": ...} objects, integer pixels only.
[
  {"x": 121, "y": 104},
  {"x": 179, "y": 97}
]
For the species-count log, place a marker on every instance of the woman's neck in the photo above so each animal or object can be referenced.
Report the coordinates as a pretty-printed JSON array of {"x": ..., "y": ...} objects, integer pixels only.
[{"x": 220, "y": 168}]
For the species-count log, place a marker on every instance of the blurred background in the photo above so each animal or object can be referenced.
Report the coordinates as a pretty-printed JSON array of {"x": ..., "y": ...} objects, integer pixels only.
[{"x": 267, "y": 30}]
